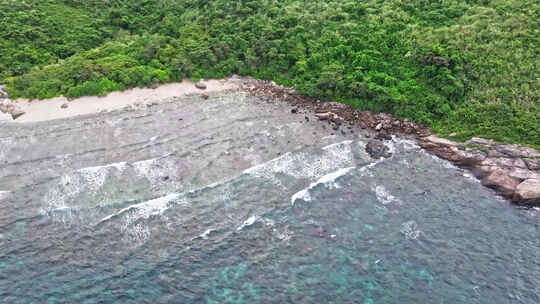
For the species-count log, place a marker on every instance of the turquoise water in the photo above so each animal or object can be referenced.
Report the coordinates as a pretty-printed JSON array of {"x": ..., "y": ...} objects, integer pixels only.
[{"x": 226, "y": 211}]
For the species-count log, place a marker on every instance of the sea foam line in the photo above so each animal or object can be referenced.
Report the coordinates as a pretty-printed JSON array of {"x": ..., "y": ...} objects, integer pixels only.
[
  {"x": 3, "y": 194},
  {"x": 147, "y": 208},
  {"x": 328, "y": 179},
  {"x": 250, "y": 221}
]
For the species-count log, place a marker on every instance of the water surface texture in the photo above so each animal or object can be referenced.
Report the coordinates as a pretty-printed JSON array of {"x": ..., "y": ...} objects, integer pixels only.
[{"x": 235, "y": 199}]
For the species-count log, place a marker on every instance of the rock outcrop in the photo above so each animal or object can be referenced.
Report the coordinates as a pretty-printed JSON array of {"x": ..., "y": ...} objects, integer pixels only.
[
  {"x": 501, "y": 182},
  {"x": 528, "y": 192},
  {"x": 377, "y": 149},
  {"x": 7, "y": 106},
  {"x": 512, "y": 170}
]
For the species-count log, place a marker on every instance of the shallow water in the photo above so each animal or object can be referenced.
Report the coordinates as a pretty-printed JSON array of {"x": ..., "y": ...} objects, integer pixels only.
[{"x": 236, "y": 200}]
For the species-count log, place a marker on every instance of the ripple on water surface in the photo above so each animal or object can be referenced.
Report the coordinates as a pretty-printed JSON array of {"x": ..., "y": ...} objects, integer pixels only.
[{"x": 174, "y": 221}]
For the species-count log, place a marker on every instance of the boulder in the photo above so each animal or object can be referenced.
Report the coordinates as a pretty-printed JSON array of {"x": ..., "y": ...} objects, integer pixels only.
[
  {"x": 504, "y": 162},
  {"x": 528, "y": 192},
  {"x": 501, "y": 182},
  {"x": 530, "y": 152},
  {"x": 201, "y": 86},
  {"x": 523, "y": 174},
  {"x": 480, "y": 141},
  {"x": 323, "y": 116},
  {"x": 509, "y": 150},
  {"x": 439, "y": 141},
  {"x": 469, "y": 157},
  {"x": 17, "y": 113},
  {"x": 532, "y": 164},
  {"x": 377, "y": 149},
  {"x": 64, "y": 105}
]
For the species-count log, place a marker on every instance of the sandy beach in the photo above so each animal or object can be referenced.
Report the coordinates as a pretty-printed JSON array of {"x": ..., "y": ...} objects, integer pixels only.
[{"x": 48, "y": 109}]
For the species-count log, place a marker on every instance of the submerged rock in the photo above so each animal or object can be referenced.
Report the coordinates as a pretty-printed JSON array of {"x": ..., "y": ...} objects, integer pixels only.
[
  {"x": 528, "y": 192},
  {"x": 377, "y": 149}
]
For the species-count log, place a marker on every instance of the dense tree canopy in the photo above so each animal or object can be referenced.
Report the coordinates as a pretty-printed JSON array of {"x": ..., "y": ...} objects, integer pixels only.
[{"x": 464, "y": 66}]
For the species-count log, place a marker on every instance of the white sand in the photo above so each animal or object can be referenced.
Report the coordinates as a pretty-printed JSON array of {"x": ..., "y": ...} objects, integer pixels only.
[{"x": 48, "y": 109}]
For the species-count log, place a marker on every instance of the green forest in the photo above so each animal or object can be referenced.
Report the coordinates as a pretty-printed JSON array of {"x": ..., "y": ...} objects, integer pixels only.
[{"x": 468, "y": 67}]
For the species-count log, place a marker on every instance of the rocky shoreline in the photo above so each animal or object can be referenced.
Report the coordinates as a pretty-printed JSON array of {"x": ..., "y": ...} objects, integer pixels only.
[
  {"x": 512, "y": 170},
  {"x": 7, "y": 107}
]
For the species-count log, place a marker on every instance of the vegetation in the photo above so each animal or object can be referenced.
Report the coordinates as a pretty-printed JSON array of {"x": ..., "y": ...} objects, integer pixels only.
[{"x": 463, "y": 66}]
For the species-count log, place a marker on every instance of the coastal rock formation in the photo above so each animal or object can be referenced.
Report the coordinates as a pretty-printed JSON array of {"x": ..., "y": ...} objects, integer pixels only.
[
  {"x": 528, "y": 192},
  {"x": 8, "y": 107},
  {"x": 512, "y": 170},
  {"x": 377, "y": 149},
  {"x": 500, "y": 181}
]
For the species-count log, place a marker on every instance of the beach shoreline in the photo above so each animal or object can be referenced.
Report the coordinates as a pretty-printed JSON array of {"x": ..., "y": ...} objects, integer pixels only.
[{"x": 61, "y": 107}]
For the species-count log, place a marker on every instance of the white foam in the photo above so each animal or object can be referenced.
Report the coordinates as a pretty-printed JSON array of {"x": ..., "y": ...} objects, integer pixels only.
[
  {"x": 4, "y": 194},
  {"x": 383, "y": 195},
  {"x": 303, "y": 165},
  {"x": 329, "y": 180},
  {"x": 338, "y": 145},
  {"x": 205, "y": 234},
  {"x": 365, "y": 169},
  {"x": 410, "y": 230},
  {"x": 302, "y": 194},
  {"x": 95, "y": 177},
  {"x": 250, "y": 221},
  {"x": 405, "y": 144},
  {"x": 146, "y": 209},
  {"x": 89, "y": 179}
]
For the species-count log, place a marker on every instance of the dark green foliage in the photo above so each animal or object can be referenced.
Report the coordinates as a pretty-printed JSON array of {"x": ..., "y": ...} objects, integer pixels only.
[{"x": 460, "y": 66}]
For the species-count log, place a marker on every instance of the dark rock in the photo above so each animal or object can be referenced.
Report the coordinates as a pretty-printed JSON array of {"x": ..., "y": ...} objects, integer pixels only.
[
  {"x": 17, "y": 113},
  {"x": 64, "y": 105},
  {"x": 294, "y": 111},
  {"x": 383, "y": 135},
  {"x": 377, "y": 149},
  {"x": 306, "y": 118},
  {"x": 204, "y": 96}
]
